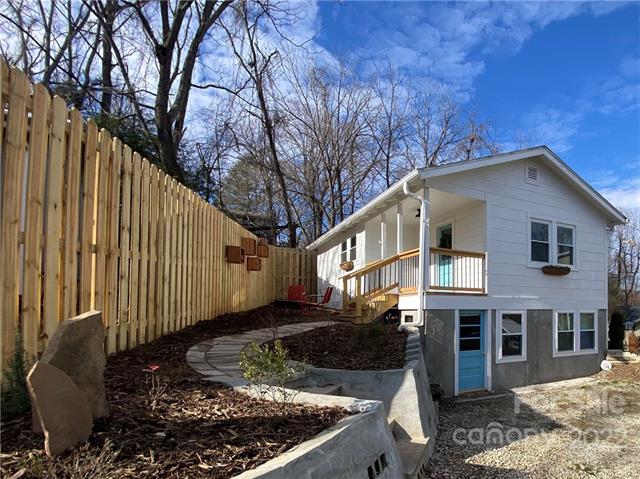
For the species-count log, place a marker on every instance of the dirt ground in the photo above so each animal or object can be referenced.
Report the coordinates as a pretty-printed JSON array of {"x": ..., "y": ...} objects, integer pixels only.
[{"x": 587, "y": 428}]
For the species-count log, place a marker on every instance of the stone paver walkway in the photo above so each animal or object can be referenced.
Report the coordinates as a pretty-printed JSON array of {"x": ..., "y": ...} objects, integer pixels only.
[{"x": 219, "y": 358}]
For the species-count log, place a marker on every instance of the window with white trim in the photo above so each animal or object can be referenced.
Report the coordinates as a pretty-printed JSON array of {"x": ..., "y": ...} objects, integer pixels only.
[
  {"x": 565, "y": 338},
  {"x": 540, "y": 241},
  {"x": 575, "y": 332},
  {"x": 565, "y": 238},
  {"x": 587, "y": 340},
  {"x": 511, "y": 340},
  {"x": 551, "y": 242},
  {"x": 348, "y": 250}
]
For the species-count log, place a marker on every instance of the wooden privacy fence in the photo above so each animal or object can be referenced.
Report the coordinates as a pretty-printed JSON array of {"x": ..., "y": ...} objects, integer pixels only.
[{"x": 89, "y": 224}]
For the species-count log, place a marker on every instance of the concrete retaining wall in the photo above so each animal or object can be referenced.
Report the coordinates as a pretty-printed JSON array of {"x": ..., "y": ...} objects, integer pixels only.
[
  {"x": 391, "y": 434},
  {"x": 347, "y": 450}
]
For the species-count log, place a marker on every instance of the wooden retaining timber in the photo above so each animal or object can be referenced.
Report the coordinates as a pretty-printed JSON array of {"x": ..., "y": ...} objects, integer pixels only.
[{"x": 87, "y": 223}]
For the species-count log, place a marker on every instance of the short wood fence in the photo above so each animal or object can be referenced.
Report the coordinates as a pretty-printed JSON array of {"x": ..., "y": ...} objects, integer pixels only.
[{"x": 87, "y": 223}]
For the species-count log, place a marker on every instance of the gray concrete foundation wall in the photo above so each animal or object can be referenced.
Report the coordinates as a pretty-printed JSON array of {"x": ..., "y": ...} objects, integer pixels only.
[
  {"x": 439, "y": 348},
  {"x": 541, "y": 366}
]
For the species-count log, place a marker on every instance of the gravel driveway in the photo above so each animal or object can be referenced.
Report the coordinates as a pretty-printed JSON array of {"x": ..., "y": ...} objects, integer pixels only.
[{"x": 587, "y": 428}]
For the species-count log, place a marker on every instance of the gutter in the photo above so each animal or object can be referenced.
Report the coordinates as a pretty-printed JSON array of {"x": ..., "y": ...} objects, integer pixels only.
[{"x": 424, "y": 242}]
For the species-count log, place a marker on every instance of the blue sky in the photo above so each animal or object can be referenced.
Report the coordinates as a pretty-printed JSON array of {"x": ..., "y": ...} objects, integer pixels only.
[{"x": 565, "y": 74}]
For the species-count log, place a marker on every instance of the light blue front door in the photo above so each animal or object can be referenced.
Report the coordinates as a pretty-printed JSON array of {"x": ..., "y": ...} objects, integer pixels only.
[{"x": 471, "y": 351}]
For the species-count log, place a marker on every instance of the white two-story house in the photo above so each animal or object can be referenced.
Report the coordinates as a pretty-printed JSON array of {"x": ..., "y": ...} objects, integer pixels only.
[{"x": 501, "y": 261}]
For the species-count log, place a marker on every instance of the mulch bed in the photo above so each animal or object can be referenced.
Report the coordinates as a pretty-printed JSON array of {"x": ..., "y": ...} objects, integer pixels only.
[
  {"x": 350, "y": 346},
  {"x": 191, "y": 429},
  {"x": 622, "y": 372}
]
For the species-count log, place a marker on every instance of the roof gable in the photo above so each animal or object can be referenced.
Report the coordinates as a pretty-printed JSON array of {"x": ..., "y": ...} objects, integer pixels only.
[{"x": 417, "y": 177}]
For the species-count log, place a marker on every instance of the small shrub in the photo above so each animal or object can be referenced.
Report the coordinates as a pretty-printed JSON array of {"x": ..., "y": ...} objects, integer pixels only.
[
  {"x": 268, "y": 370},
  {"x": 15, "y": 398}
]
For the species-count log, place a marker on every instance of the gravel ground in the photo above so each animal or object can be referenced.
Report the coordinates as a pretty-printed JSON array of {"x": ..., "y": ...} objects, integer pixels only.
[{"x": 575, "y": 429}]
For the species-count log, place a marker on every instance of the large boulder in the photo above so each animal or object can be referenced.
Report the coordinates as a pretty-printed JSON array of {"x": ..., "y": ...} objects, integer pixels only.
[
  {"x": 61, "y": 409},
  {"x": 77, "y": 348}
]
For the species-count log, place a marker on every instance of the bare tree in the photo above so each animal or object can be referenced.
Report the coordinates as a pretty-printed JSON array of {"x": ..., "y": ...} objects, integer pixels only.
[
  {"x": 256, "y": 61},
  {"x": 390, "y": 130},
  {"x": 174, "y": 33},
  {"x": 624, "y": 262}
]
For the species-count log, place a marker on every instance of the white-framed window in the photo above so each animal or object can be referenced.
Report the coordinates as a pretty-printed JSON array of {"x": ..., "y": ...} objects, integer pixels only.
[
  {"x": 551, "y": 242},
  {"x": 348, "y": 250},
  {"x": 540, "y": 241},
  {"x": 511, "y": 336},
  {"x": 575, "y": 332},
  {"x": 565, "y": 244}
]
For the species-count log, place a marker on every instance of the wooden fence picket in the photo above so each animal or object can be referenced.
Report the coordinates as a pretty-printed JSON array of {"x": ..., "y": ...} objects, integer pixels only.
[{"x": 32, "y": 293}]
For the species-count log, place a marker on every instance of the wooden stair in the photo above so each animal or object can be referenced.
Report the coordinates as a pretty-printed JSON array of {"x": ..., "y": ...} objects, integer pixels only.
[{"x": 371, "y": 309}]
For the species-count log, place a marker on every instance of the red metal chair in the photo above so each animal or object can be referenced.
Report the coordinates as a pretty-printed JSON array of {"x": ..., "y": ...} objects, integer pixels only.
[{"x": 326, "y": 297}]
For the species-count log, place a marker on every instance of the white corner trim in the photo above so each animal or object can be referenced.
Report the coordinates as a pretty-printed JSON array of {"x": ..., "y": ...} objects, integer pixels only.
[
  {"x": 511, "y": 359},
  {"x": 488, "y": 379},
  {"x": 456, "y": 332}
]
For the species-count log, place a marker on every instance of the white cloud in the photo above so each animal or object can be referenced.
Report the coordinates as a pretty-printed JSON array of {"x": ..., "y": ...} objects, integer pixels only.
[
  {"x": 622, "y": 192},
  {"x": 448, "y": 41}
]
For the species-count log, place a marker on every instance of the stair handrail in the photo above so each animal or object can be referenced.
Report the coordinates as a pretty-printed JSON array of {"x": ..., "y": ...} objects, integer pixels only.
[
  {"x": 381, "y": 263},
  {"x": 370, "y": 268}
]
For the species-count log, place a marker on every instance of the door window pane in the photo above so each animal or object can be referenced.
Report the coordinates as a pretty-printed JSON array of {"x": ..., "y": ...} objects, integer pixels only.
[
  {"x": 469, "y": 320},
  {"x": 469, "y": 344},
  {"x": 469, "y": 331},
  {"x": 445, "y": 237}
]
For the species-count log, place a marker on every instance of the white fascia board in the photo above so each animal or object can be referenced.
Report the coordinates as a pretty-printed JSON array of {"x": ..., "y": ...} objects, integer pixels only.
[
  {"x": 614, "y": 215},
  {"x": 380, "y": 203}
]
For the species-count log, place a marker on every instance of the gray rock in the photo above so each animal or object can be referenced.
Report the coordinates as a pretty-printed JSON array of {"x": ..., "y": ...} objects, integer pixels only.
[
  {"x": 77, "y": 348},
  {"x": 60, "y": 407}
]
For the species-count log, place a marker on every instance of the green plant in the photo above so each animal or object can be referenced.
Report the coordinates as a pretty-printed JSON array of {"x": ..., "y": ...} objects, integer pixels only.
[
  {"x": 15, "y": 398},
  {"x": 268, "y": 370}
]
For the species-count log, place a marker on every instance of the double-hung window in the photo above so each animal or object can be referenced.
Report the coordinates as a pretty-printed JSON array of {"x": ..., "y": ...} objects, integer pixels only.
[
  {"x": 565, "y": 237},
  {"x": 551, "y": 243},
  {"x": 511, "y": 336},
  {"x": 575, "y": 332},
  {"x": 348, "y": 250},
  {"x": 540, "y": 241}
]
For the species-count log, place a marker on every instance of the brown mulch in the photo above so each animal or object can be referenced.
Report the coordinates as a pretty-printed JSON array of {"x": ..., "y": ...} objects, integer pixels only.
[
  {"x": 622, "y": 372},
  {"x": 350, "y": 346},
  {"x": 194, "y": 428}
]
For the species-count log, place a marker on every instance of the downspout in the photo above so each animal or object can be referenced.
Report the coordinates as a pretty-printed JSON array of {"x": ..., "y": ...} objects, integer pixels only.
[{"x": 424, "y": 222}]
